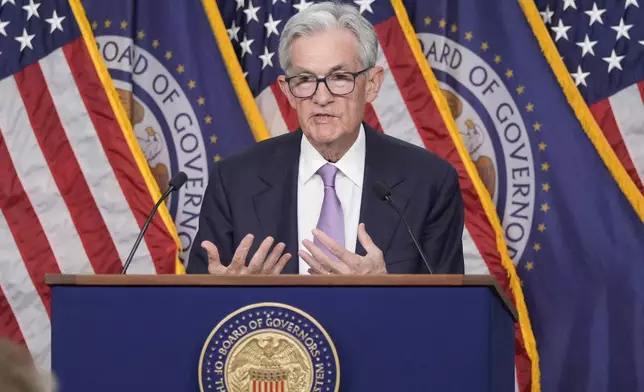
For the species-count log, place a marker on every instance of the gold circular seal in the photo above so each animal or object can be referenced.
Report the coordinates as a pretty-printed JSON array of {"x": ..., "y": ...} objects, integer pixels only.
[{"x": 269, "y": 347}]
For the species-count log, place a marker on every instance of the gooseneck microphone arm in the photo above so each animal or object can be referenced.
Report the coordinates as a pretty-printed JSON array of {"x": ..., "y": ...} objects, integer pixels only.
[
  {"x": 175, "y": 184},
  {"x": 384, "y": 193}
]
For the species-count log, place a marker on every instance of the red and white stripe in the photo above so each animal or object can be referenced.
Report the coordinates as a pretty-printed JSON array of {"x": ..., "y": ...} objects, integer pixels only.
[
  {"x": 621, "y": 118},
  {"x": 268, "y": 386},
  {"x": 95, "y": 174},
  {"x": 130, "y": 181},
  {"x": 23, "y": 312},
  {"x": 72, "y": 199},
  {"x": 405, "y": 109}
]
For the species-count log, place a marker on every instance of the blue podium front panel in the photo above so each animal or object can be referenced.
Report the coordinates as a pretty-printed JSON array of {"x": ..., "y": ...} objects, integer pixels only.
[{"x": 386, "y": 338}]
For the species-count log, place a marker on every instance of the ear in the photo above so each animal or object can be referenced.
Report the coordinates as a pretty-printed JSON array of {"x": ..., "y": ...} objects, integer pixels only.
[
  {"x": 281, "y": 80},
  {"x": 375, "y": 77}
]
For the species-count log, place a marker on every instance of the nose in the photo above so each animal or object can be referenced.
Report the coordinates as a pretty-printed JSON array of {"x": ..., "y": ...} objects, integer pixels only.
[{"x": 322, "y": 95}]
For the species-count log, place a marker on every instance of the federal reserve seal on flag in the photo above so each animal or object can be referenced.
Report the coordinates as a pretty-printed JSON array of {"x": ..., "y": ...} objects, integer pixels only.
[
  {"x": 485, "y": 106},
  {"x": 168, "y": 116},
  {"x": 269, "y": 347},
  {"x": 165, "y": 122},
  {"x": 174, "y": 85}
]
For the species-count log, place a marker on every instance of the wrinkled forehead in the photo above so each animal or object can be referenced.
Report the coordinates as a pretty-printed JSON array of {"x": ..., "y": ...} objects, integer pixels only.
[{"x": 325, "y": 51}]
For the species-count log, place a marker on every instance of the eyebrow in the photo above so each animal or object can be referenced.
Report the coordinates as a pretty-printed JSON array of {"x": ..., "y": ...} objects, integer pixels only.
[{"x": 338, "y": 67}]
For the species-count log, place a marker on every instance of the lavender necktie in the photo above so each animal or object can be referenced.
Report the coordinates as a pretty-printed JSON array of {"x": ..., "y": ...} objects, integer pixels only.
[{"x": 331, "y": 219}]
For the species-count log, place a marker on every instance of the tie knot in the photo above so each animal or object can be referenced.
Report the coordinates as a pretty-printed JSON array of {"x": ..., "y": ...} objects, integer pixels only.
[{"x": 328, "y": 172}]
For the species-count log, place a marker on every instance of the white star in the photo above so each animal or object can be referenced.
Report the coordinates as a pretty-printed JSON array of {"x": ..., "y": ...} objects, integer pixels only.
[
  {"x": 275, "y": 1},
  {"x": 271, "y": 26},
  {"x": 2, "y": 27},
  {"x": 56, "y": 22},
  {"x": 365, "y": 5},
  {"x": 613, "y": 61},
  {"x": 631, "y": 2},
  {"x": 251, "y": 13},
  {"x": 232, "y": 32},
  {"x": 266, "y": 58},
  {"x": 245, "y": 45},
  {"x": 569, "y": 3},
  {"x": 302, "y": 6},
  {"x": 641, "y": 42},
  {"x": 25, "y": 40},
  {"x": 547, "y": 15},
  {"x": 587, "y": 46},
  {"x": 595, "y": 14},
  {"x": 561, "y": 30},
  {"x": 240, "y": 4},
  {"x": 622, "y": 29},
  {"x": 32, "y": 9},
  {"x": 580, "y": 76},
  {"x": 8, "y": 1}
]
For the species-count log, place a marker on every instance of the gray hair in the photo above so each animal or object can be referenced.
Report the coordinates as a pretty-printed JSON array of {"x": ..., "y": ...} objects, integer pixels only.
[{"x": 328, "y": 15}]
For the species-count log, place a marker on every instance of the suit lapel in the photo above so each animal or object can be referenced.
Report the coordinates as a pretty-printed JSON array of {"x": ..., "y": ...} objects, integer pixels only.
[
  {"x": 276, "y": 200},
  {"x": 380, "y": 219}
]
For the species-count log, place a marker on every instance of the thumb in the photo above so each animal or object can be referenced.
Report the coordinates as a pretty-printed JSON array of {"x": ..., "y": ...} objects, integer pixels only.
[
  {"x": 365, "y": 239},
  {"x": 213, "y": 253}
]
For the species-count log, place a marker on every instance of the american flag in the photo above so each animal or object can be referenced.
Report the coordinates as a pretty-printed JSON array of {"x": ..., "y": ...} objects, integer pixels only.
[
  {"x": 405, "y": 108},
  {"x": 72, "y": 194},
  {"x": 602, "y": 45}
]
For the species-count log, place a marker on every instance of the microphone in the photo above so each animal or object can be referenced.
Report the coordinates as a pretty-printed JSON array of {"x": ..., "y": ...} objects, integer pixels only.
[
  {"x": 384, "y": 193},
  {"x": 175, "y": 184}
]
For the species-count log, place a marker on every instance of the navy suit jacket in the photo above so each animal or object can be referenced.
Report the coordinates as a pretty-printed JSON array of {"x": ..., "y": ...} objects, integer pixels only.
[{"x": 256, "y": 192}]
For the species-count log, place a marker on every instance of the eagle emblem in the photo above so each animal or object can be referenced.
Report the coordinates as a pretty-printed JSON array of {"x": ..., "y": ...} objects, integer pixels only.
[
  {"x": 269, "y": 347},
  {"x": 269, "y": 357}
]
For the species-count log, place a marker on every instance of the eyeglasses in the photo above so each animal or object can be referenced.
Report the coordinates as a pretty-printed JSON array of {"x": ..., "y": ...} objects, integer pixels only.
[{"x": 338, "y": 83}]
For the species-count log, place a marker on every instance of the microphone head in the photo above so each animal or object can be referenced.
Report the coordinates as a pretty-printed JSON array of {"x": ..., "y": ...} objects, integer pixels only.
[
  {"x": 178, "y": 180},
  {"x": 381, "y": 190}
]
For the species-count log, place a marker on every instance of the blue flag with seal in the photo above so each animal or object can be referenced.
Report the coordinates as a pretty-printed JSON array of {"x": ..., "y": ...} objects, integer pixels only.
[
  {"x": 171, "y": 77},
  {"x": 572, "y": 217}
]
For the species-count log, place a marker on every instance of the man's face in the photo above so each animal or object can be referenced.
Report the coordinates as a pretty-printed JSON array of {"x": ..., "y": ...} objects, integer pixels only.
[{"x": 326, "y": 117}]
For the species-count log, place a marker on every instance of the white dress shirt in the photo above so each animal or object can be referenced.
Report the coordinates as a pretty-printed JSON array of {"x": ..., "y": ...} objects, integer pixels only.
[{"x": 310, "y": 192}]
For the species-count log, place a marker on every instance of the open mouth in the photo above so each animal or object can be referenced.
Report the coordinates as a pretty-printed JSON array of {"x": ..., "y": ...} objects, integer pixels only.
[{"x": 323, "y": 116}]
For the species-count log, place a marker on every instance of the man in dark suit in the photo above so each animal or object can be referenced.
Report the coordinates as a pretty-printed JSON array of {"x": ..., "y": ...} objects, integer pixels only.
[{"x": 312, "y": 190}]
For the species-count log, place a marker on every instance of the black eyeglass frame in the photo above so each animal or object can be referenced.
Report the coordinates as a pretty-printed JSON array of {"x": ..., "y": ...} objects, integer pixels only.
[{"x": 324, "y": 79}]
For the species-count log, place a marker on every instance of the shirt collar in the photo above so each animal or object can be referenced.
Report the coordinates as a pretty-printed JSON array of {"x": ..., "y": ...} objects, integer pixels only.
[{"x": 351, "y": 164}]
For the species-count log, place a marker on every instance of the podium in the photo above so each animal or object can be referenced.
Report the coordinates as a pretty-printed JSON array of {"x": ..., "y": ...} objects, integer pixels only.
[{"x": 284, "y": 333}]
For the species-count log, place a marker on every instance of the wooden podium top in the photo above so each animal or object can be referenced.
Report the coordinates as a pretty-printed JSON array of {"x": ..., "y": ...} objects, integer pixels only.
[{"x": 284, "y": 280}]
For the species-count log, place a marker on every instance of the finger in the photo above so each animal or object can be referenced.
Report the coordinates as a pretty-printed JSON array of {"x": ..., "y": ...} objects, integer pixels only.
[
  {"x": 239, "y": 258},
  {"x": 345, "y": 263},
  {"x": 258, "y": 258},
  {"x": 214, "y": 264},
  {"x": 375, "y": 258},
  {"x": 311, "y": 271},
  {"x": 273, "y": 258},
  {"x": 324, "y": 264},
  {"x": 313, "y": 264},
  {"x": 281, "y": 263},
  {"x": 320, "y": 257},
  {"x": 365, "y": 239},
  {"x": 336, "y": 249}
]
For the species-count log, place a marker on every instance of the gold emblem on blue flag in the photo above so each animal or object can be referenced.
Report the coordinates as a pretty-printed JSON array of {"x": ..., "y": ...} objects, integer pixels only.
[
  {"x": 500, "y": 128},
  {"x": 269, "y": 347},
  {"x": 172, "y": 81}
]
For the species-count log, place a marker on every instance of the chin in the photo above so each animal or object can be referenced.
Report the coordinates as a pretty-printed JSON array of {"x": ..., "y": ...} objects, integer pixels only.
[{"x": 325, "y": 133}]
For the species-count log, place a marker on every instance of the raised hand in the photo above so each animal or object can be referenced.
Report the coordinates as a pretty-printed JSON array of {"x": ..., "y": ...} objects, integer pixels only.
[
  {"x": 348, "y": 263},
  {"x": 262, "y": 262}
]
